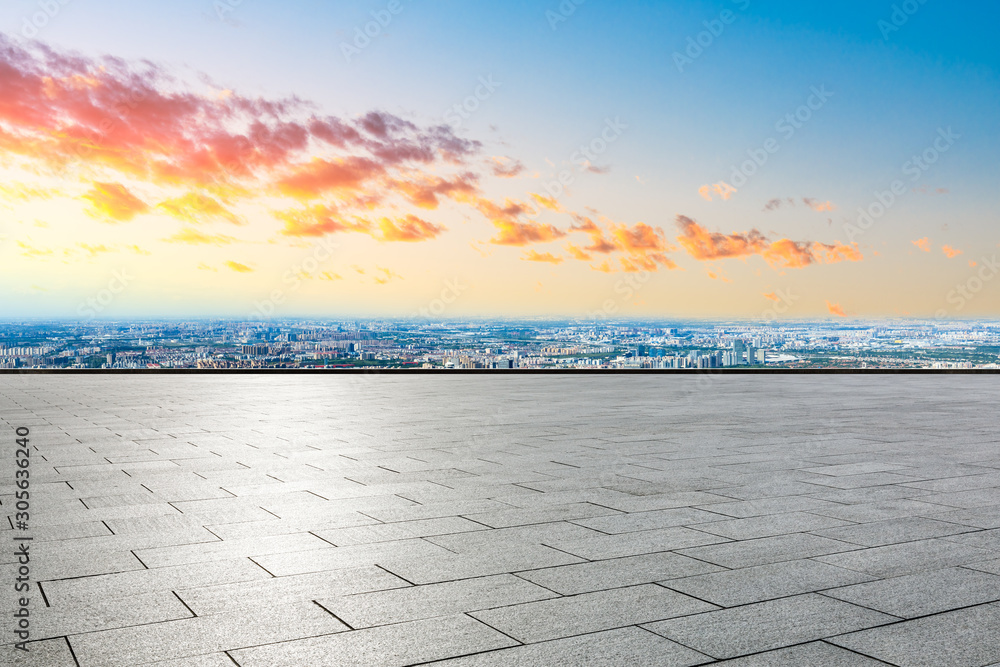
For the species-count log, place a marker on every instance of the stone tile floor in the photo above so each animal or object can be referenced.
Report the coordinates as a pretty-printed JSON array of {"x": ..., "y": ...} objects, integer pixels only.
[{"x": 465, "y": 521}]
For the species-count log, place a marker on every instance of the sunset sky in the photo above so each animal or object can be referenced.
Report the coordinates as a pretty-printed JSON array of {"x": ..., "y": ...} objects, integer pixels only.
[{"x": 666, "y": 159}]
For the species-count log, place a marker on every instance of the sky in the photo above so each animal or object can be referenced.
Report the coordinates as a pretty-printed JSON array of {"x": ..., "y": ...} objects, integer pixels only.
[{"x": 736, "y": 159}]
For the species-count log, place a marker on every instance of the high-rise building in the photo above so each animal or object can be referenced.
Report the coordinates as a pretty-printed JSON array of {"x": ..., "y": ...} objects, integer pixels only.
[{"x": 738, "y": 351}]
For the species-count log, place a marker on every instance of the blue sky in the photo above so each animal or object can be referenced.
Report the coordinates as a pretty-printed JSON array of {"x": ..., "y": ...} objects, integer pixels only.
[{"x": 560, "y": 82}]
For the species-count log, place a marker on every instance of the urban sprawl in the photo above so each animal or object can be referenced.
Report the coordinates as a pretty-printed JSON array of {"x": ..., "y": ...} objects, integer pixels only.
[{"x": 482, "y": 344}]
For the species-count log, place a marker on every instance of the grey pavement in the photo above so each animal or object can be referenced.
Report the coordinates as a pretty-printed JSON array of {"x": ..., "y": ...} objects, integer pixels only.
[{"x": 472, "y": 520}]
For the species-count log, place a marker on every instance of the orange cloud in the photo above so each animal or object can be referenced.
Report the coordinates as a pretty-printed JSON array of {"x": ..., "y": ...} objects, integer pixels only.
[
  {"x": 577, "y": 253},
  {"x": 599, "y": 243},
  {"x": 197, "y": 208},
  {"x": 950, "y": 252},
  {"x": 547, "y": 202},
  {"x": 239, "y": 268},
  {"x": 113, "y": 201},
  {"x": 706, "y": 246},
  {"x": 94, "y": 250},
  {"x": 21, "y": 192},
  {"x": 317, "y": 221},
  {"x": 31, "y": 251},
  {"x": 387, "y": 276},
  {"x": 410, "y": 229},
  {"x": 722, "y": 189},
  {"x": 716, "y": 276},
  {"x": 321, "y": 177},
  {"x": 924, "y": 244},
  {"x": 513, "y": 229},
  {"x": 425, "y": 191},
  {"x": 641, "y": 238},
  {"x": 534, "y": 256},
  {"x": 515, "y": 233},
  {"x": 140, "y": 123},
  {"x": 835, "y": 309},
  {"x": 194, "y": 237},
  {"x": 772, "y": 297},
  {"x": 819, "y": 206}
]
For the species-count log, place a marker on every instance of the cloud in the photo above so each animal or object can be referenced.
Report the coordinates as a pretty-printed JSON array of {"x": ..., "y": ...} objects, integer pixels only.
[
  {"x": 577, "y": 253},
  {"x": 722, "y": 190},
  {"x": 716, "y": 276},
  {"x": 599, "y": 243},
  {"x": 772, "y": 296},
  {"x": 22, "y": 192},
  {"x": 547, "y": 202},
  {"x": 426, "y": 191},
  {"x": 704, "y": 245},
  {"x": 31, "y": 251},
  {"x": 923, "y": 189},
  {"x": 513, "y": 229},
  {"x": 535, "y": 256},
  {"x": 94, "y": 250},
  {"x": 387, "y": 276},
  {"x": 239, "y": 268},
  {"x": 322, "y": 177},
  {"x": 776, "y": 204},
  {"x": 197, "y": 208},
  {"x": 136, "y": 123},
  {"x": 819, "y": 206},
  {"x": 191, "y": 236},
  {"x": 835, "y": 309},
  {"x": 924, "y": 244},
  {"x": 113, "y": 201},
  {"x": 950, "y": 252},
  {"x": 316, "y": 221},
  {"x": 410, "y": 229},
  {"x": 707, "y": 246},
  {"x": 505, "y": 167},
  {"x": 515, "y": 233}
]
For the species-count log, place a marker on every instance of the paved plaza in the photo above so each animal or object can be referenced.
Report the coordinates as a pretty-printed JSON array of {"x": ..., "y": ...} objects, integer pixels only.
[{"x": 511, "y": 520}]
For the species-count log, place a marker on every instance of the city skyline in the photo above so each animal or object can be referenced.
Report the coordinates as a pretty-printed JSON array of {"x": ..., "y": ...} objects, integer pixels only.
[{"x": 717, "y": 160}]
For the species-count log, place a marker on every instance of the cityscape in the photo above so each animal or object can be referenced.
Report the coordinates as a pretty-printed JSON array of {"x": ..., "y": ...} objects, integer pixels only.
[{"x": 498, "y": 344}]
